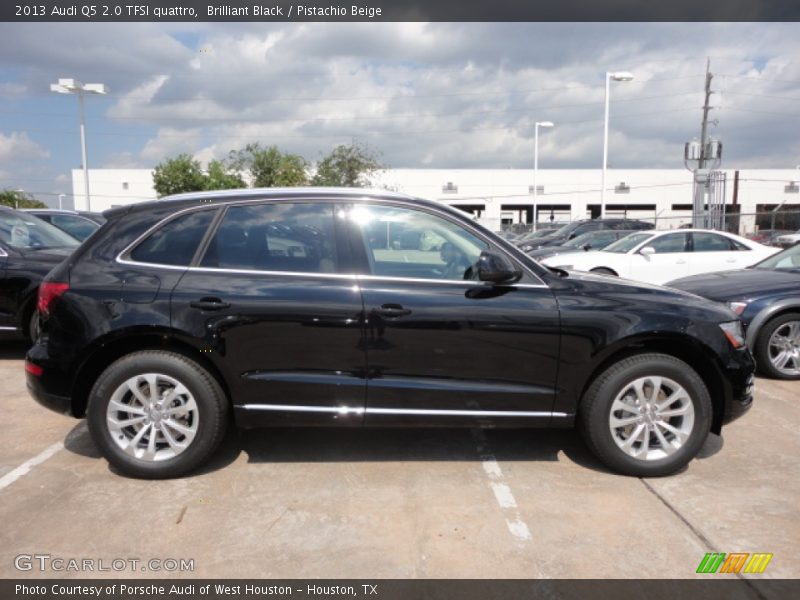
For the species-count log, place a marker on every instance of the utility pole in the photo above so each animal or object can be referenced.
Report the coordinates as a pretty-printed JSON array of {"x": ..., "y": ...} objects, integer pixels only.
[{"x": 704, "y": 152}]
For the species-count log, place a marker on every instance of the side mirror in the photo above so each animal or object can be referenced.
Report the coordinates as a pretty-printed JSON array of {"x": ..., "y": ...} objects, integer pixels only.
[
  {"x": 496, "y": 268},
  {"x": 587, "y": 247},
  {"x": 647, "y": 251}
]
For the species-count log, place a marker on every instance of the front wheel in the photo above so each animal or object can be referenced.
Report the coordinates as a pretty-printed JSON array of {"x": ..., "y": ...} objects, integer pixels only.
[
  {"x": 777, "y": 347},
  {"x": 156, "y": 414},
  {"x": 647, "y": 415}
]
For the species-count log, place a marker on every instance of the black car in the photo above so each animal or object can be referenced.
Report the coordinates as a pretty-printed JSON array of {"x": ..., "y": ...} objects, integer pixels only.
[
  {"x": 576, "y": 228},
  {"x": 347, "y": 307},
  {"x": 79, "y": 225},
  {"x": 29, "y": 248},
  {"x": 766, "y": 296},
  {"x": 592, "y": 240}
]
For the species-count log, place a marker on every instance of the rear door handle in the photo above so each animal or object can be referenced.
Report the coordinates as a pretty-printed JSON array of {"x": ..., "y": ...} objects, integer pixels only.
[
  {"x": 393, "y": 310},
  {"x": 210, "y": 304}
]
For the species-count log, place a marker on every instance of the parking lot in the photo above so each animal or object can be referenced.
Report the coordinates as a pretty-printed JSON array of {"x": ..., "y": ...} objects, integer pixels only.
[{"x": 414, "y": 503}]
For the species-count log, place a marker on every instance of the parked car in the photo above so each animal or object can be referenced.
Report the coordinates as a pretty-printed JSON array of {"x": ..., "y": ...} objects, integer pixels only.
[
  {"x": 29, "y": 248},
  {"x": 576, "y": 228},
  {"x": 767, "y": 237},
  {"x": 787, "y": 240},
  {"x": 294, "y": 307},
  {"x": 592, "y": 240},
  {"x": 766, "y": 296},
  {"x": 78, "y": 225},
  {"x": 661, "y": 256}
]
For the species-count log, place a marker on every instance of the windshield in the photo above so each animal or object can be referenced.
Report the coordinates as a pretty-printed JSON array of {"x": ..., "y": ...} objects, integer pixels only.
[
  {"x": 628, "y": 243},
  {"x": 26, "y": 232},
  {"x": 535, "y": 234},
  {"x": 788, "y": 259},
  {"x": 566, "y": 229}
]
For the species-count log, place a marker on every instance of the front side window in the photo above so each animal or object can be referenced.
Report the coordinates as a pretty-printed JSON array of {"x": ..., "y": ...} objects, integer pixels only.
[
  {"x": 402, "y": 242},
  {"x": 672, "y": 242},
  {"x": 175, "y": 243},
  {"x": 278, "y": 236}
]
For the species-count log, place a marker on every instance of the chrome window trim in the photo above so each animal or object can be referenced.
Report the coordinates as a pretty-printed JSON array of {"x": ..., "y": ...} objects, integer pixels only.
[
  {"x": 355, "y": 277},
  {"x": 3, "y": 253},
  {"x": 4, "y": 328},
  {"x": 351, "y": 410},
  {"x": 401, "y": 202}
]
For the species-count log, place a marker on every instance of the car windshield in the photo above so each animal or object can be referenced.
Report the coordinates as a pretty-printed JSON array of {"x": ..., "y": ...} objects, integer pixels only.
[
  {"x": 587, "y": 238},
  {"x": 26, "y": 232},
  {"x": 535, "y": 234},
  {"x": 788, "y": 259},
  {"x": 565, "y": 230},
  {"x": 628, "y": 243}
]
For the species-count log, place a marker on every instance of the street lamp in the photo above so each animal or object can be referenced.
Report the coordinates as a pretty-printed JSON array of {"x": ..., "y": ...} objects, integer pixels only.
[
  {"x": 618, "y": 76},
  {"x": 547, "y": 125},
  {"x": 71, "y": 86}
]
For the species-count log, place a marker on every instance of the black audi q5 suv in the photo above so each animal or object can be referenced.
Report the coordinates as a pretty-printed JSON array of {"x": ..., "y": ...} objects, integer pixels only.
[{"x": 368, "y": 308}]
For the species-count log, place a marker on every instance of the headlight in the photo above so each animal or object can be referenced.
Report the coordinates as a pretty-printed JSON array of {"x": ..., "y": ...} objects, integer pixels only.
[
  {"x": 737, "y": 307},
  {"x": 733, "y": 331}
]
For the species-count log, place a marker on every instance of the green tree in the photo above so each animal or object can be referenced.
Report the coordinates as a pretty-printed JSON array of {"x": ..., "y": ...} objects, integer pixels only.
[
  {"x": 17, "y": 199},
  {"x": 220, "y": 176},
  {"x": 178, "y": 175},
  {"x": 269, "y": 167},
  {"x": 347, "y": 166}
]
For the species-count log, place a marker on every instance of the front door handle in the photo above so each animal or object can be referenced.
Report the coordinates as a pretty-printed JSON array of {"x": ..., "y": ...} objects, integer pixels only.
[
  {"x": 393, "y": 310},
  {"x": 210, "y": 304}
]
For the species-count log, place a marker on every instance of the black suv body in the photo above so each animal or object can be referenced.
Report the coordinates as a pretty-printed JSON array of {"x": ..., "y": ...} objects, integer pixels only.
[
  {"x": 348, "y": 307},
  {"x": 576, "y": 228}
]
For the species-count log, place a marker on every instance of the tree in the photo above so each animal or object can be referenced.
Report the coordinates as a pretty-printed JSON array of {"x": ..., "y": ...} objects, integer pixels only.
[
  {"x": 347, "y": 166},
  {"x": 269, "y": 167},
  {"x": 220, "y": 176},
  {"x": 17, "y": 199},
  {"x": 178, "y": 175}
]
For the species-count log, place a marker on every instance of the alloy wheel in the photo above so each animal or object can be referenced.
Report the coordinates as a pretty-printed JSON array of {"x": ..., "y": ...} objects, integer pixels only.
[
  {"x": 152, "y": 417},
  {"x": 784, "y": 348},
  {"x": 651, "y": 418}
]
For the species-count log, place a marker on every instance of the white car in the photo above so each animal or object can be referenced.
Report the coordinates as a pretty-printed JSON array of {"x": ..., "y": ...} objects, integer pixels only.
[
  {"x": 790, "y": 239},
  {"x": 661, "y": 256}
]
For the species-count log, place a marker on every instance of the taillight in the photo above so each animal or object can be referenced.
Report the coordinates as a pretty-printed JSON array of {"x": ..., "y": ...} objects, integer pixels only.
[
  {"x": 33, "y": 369},
  {"x": 49, "y": 291}
]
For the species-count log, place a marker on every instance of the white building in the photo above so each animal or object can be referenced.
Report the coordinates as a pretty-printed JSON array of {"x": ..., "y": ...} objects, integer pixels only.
[{"x": 506, "y": 195}]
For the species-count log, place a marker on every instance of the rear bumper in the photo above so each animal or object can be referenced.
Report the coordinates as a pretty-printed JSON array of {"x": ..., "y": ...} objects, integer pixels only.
[
  {"x": 59, "y": 404},
  {"x": 49, "y": 387}
]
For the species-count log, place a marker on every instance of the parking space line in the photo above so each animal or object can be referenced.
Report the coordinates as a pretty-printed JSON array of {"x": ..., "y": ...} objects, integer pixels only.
[
  {"x": 501, "y": 490},
  {"x": 10, "y": 477}
]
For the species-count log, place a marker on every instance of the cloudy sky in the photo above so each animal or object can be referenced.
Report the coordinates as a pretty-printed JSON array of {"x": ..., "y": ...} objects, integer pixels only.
[{"x": 423, "y": 95}]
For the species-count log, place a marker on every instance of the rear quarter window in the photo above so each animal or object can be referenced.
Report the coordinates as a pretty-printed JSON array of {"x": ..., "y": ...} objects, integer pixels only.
[{"x": 175, "y": 242}]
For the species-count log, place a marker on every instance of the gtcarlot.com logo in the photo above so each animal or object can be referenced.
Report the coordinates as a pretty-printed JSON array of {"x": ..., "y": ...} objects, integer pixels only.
[
  {"x": 735, "y": 562},
  {"x": 47, "y": 562}
]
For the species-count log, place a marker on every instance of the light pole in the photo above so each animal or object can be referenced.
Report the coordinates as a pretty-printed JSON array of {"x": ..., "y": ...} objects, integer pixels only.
[
  {"x": 618, "y": 76},
  {"x": 545, "y": 124},
  {"x": 71, "y": 86}
]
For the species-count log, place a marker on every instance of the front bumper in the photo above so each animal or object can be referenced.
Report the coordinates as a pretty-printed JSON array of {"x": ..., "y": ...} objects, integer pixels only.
[{"x": 740, "y": 381}]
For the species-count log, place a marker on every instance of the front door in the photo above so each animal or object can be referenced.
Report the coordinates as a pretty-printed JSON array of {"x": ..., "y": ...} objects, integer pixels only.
[
  {"x": 270, "y": 297},
  {"x": 670, "y": 260},
  {"x": 441, "y": 346}
]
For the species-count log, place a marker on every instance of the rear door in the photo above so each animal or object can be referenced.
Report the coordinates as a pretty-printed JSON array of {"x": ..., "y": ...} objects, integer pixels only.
[
  {"x": 273, "y": 305},
  {"x": 441, "y": 347},
  {"x": 714, "y": 252}
]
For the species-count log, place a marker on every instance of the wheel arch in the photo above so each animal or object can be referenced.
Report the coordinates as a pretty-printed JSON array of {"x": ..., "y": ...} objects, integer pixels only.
[
  {"x": 108, "y": 351},
  {"x": 765, "y": 315},
  {"x": 683, "y": 347},
  {"x": 602, "y": 269}
]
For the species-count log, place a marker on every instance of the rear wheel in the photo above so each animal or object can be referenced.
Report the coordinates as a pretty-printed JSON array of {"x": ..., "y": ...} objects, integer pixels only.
[
  {"x": 777, "y": 347},
  {"x": 604, "y": 271},
  {"x": 156, "y": 414},
  {"x": 33, "y": 325},
  {"x": 647, "y": 415}
]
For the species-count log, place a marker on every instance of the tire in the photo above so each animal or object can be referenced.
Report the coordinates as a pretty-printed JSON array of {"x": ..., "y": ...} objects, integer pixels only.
[
  {"x": 187, "y": 429},
  {"x": 33, "y": 326},
  {"x": 780, "y": 335},
  {"x": 604, "y": 271},
  {"x": 617, "y": 385}
]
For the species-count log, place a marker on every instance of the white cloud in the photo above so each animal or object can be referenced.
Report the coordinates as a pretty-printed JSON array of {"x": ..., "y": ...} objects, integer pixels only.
[{"x": 18, "y": 146}]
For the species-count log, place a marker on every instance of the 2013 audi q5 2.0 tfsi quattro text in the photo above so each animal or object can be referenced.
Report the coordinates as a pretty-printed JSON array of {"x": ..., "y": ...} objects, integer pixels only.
[{"x": 347, "y": 307}]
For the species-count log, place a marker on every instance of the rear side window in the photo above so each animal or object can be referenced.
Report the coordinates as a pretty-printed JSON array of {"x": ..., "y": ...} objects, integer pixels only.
[
  {"x": 297, "y": 237},
  {"x": 711, "y": 242},
  {"x": 175, "y": 242}
]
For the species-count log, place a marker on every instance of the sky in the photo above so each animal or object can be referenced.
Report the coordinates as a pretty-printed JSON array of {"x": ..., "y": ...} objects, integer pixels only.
[{"x": 437, "y": 95}]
